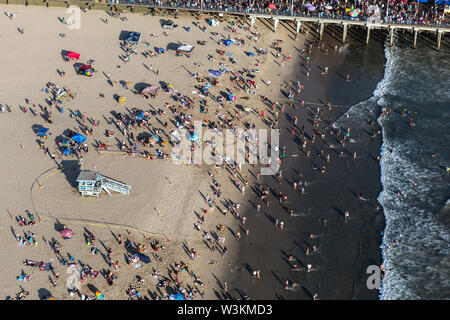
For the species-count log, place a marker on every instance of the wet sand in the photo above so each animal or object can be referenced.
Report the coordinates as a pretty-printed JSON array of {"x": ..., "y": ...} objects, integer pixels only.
[{"x": 345, "y": 248}]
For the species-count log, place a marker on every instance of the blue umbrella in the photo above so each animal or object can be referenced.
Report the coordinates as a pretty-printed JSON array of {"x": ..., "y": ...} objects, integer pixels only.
[
  {"x": 194, "y": 136},
  {"x": 177, "y": 296},
  {"x": 227, "y": 42},
  {"x": 140, "y": 115},
  {"x": 79, "y": 138},
  {"x": 42, "y": 132},
  {"x": 67, "y": 151},
  {"x": 155, "y": 137},
  {"x": 215, "y": 73}
]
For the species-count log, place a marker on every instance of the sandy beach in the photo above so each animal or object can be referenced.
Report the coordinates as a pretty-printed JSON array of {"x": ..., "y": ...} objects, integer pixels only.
[{"x": 166, "y": 199}]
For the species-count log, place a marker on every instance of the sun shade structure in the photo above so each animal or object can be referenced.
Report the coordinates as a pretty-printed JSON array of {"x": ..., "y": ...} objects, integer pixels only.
[
  {"x": 42, "y": 132},
  {"x": 79, "y": 138},
  {"x": 73, "y": 55},
  {"x": 185, "y": 48},
  {"x": 150, "y": 90},
  {"x": 133, "y": 37}
]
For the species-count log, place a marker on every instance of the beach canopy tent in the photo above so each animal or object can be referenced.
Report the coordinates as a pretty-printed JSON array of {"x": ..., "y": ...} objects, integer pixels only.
[
  {"x": 169, "y": 24},
  {"x": 150, "y": 90},
  {"x": 67, "y": 151},
  {"x": 73, "y": 55},
  {"x": 79, "y": 138},
  {"x": 42, "y": 132},
  {"x": 133, "y": 37},
  {"x": 185, "y": 48},
  {"x": 227, "y": 42}
]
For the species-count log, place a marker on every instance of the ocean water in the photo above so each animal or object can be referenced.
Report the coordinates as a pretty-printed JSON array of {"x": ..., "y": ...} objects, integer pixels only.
[{"x": 416, "y": 82}]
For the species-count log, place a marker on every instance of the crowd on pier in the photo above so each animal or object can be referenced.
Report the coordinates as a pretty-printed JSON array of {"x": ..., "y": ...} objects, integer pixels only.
[{"x": 388, "y": 11}]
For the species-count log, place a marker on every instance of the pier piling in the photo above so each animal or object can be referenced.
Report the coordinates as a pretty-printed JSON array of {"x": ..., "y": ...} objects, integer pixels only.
[
  {"x": 415, "y": 37},
  {"x": 322, "y": 26},
  {"x": 391, "y": 36},
  {"x": 344, "y": 35},
  {"x": 299, "y": 26},
  {"x": 439, "y": 38},
  {"x": 275, "y": 23}
]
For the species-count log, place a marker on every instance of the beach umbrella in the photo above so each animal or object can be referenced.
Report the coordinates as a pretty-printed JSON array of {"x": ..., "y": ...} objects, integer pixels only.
[
  {"x": 247, "y": 109},
  {"x": 66, "y": 233},
  {"x": 67, "y": 151},
  {"x": 140, "y": 115},
  {"x": 215, "y": 73},
  {"x": 271, "y": 6},
  {"x": 99, "y": 295},
  {"x": 227, "y": 42},
  {"x": 310, "y": 7},
  {"x": 42, "y": 132},
  {"x": 155, "y": 137},
  {"x": 121, "y": 99},
  {"x": 354, "y": 13},
  {"x": 328, "y": 7},
  {"x": 194, "y": 136},
  {"x": 177, "y": 296},
  {"x": 79, "y": 138}
]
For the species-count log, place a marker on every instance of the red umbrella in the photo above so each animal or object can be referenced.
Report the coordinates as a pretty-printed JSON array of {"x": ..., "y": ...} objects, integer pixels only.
[
  {"x": 271, "y": 6},
  {"x": 66, "y": 233}
]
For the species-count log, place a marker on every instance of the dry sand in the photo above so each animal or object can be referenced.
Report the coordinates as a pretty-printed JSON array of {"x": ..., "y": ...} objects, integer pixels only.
[{"x": 164, "y": 196}]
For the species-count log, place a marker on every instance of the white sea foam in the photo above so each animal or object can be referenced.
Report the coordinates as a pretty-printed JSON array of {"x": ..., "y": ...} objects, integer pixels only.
[{"x": 418, "y": 265}]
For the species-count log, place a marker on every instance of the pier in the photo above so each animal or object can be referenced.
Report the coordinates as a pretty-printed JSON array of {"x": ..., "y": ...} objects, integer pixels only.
[{"x": 298, "y": 20}]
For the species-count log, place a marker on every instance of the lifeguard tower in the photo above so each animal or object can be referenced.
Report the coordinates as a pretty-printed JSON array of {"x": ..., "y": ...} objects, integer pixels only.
[{"x": 91, "y": 183}]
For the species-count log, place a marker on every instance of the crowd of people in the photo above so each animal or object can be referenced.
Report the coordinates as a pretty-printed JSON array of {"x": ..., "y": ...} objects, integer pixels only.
[{"x": 389, "y": 11}]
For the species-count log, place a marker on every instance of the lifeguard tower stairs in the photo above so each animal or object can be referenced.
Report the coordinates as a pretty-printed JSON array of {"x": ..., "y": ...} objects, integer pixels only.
[{"x": 91, "y": 183}]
